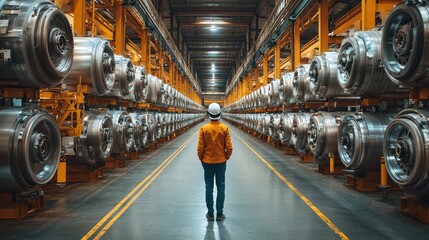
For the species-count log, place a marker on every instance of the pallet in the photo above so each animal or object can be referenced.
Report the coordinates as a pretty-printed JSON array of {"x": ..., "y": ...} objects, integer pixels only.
[
  {"x": 20, "y": 205},
  {"x": 83, "y": 173},
  {"x": 114, "y": 163},
  {"x": 306, "y": 158},
  {"x": 291, "y": 151},
  {"x": 367, "y": 183},
  {"x": 130, "y": 155},
  {"x": 415, "y": 208}
]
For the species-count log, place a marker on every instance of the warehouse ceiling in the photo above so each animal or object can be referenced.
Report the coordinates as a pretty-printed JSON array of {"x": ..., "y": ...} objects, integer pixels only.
[{"x": 214, "y": 36}]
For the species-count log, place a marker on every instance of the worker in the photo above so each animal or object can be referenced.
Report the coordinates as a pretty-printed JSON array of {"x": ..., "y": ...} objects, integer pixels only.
[{"x": 214, "y": 149}]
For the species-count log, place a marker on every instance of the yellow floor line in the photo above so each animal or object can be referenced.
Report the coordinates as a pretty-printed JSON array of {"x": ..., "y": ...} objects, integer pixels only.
[
  {"x": 319, "y": 213},
  {"x": 143, "y": 185}
]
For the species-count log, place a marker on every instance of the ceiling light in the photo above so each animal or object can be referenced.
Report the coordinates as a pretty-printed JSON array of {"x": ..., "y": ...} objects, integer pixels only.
[
  {"x": 213, "y": 52},
  {"x": 213, "y": 22},
  {"x": 213, "y": 28}
]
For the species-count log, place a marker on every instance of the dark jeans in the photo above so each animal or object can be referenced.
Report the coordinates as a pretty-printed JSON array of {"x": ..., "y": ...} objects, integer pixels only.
[{"x": 210, "y": 172}]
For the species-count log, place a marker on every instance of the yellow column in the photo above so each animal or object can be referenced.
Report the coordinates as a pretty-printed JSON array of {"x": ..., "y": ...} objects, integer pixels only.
[
  {"x": 161, "y": 62},
  {"x": 368, "y": 14},
  {"x": 296, "y": 45},
  {"x": 323, "y": 25},
  {"x": 145, "y": 50},
  {"x": 258, "y": 83},
  {"x": 171, "y": 71},
  {"x": 120, "y": 29},
  {"x": 265, "y": 66},
  {"x": 79, "y": 17},
  {"x": 277, "y": 62}
]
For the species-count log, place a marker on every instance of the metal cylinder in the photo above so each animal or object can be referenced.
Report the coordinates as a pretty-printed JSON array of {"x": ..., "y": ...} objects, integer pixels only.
[
  {"x": 285, "y": 131},
  {"x": 286, "y": 89},
  {"x": 153, "y": 127},
  {"x": 93, "y": 65},
  {"x": 360, "y": 140},
  {"x": 36, "y": 43},
  {"x": 301, "y": 84},
  {"x": 123, "y": 131},
  {"x": 30, "y": 148},
  {"x": 405, "y": 150},
  {"x": 323, "y": 76},
  {"x": 274, "y": 126},
  {"x": 359, "y": 69},
  {"x": 273, "y": 93},
  {"x": 323, "y": 133},
  {"x": 300, "y": 124},
  {"x": 404, "y": 44},
  {"x": 140, "y": 85},
  {"x": 139, "y": 129},
  {"x": 95, "y": 142},
  {"x": 124, "y": 78}
]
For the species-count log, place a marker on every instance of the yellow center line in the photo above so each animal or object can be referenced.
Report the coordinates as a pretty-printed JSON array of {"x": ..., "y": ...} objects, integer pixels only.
[
  {"x": 319, "y": 213},
  {"x": 146, "y": 182}
]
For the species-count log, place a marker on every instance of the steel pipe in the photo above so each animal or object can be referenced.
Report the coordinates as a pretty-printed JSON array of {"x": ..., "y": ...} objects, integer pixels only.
[
  {"x": 30, "y": 148},
  {"x": 93, "y": 65},
  {"x": 359, "y": 69},
  {"x": 405, "y": 150},
  {"x": 360, "y": 140},
  {"x": 36, "y": 43}
]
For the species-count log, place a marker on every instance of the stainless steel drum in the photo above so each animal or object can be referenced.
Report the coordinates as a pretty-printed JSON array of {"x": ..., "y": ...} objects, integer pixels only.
[
  {"x": 30, "y": 148},
  {"x": 140, "y": 85},
  {"x": 286, "y": 89},
  {"x": 301, "y": 84},
  {"x": 273, "y": 93},
  {"x": 323, "y": 76},
  {"x": 300, "y": 124},
  {"x": 274, "y": 126},
  {"x": 360, "y": 140},
  {"x": 405, "y": 150},
  {"x": 138, "y": 120},
  {"x": 123, "y": 131},
  {"x": 323, "y": 133},
  {"x": 95, "y": 142},
  {"x": 152, "y": 95},
  {"x": 153, "y": 127},
  {"x": 285, "y": 131},
  {"x": 359, "y": 68},
  {"x": 404, "y": 44},
  {"x": 36, "y": 43},
  {"x": 124, "y": 78},
  {"x": 160, "y": 91},
  {"x": 93, "y": 65}
]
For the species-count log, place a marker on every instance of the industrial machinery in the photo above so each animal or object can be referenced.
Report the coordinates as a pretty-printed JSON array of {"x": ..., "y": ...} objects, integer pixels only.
[
  {"x": 140, "y": 85},
  {"x": 301, "y": 86},
  {"x": 124, "y": 78},
  {"x": 43, "y": 56},
  {"x": 96, "y": 141},
  {"x": 30, "y": 148},
  {"x": 285, "y": 131},
  {"x": 359, "y": 64},
  {"x": 406, "y": 152},
  {"x": 300, "y": 124},
  {"x": 286, "y": 89},
  {"x": 93, "y": 65},
  {"x": 323, "y": 133},
  {"x": 273, "y": 93},
  {"x": 123, "y": 131},
  {"x": 403, "y": 44},
  {"x": 360, "y": 140},
  {"x": 323, "y": 76},
  {"x": 274, "y": 126},
  {"x": 139, "y": 131}
]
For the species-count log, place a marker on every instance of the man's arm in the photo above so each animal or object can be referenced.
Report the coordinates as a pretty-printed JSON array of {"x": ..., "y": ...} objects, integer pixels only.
[
  {"x": 228, "y": 144},
  {"x": 200, "y": 148}
]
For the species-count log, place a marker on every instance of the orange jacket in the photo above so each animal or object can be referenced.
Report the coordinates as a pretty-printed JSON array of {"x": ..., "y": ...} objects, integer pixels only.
[{"x": 214, "y": 143}]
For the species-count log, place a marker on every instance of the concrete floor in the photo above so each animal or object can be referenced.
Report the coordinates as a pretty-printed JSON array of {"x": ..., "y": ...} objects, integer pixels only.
[{"x": 259, "y": 205}]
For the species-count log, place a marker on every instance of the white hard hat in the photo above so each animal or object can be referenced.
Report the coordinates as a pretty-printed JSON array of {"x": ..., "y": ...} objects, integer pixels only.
[{"x": 214, "y": 111}]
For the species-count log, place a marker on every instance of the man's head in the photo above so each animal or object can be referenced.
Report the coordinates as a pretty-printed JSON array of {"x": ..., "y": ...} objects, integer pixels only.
[{"x": 214, "y": 111}]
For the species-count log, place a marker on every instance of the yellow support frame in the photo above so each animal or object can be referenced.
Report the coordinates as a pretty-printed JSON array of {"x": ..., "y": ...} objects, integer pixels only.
[{"x": 120, "y": 29}]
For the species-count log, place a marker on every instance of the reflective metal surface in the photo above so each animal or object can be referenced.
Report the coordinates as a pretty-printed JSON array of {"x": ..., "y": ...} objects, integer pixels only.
[
  {"x": 404, "y": 45},
  {"x": 360, "y": 140},
  {"x": 405, "y": 150},
  {"x": 359, "y": 65},
  {"x": 93, "y": 64},
  {"x": 124, "y": 78},
  {"x": 273, "y": 93},
  {"x": 286, "y": 89},
  {"x": 300, "y": 126},
  {"x": 123, "y": 131},
  {"x": 323, "y": 76},
  {"x": 36, "y": 43},
  {"x": 140, "y": 85},
  {"x": 30, "y": 148},
  {"x": 301, "y": 84}
]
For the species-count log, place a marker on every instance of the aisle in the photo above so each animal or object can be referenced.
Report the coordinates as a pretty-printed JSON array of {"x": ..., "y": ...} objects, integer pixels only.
[{"x": 269, "y": 195}]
